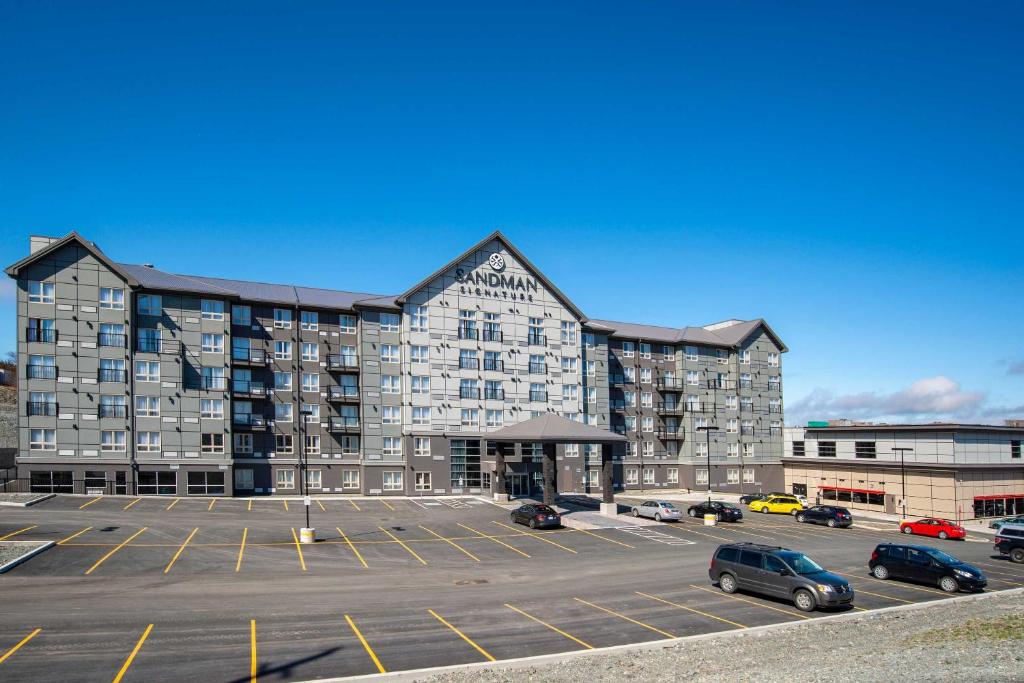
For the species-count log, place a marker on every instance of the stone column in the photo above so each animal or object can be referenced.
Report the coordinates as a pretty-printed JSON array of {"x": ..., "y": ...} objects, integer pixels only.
[
  {"x": 498, "y": 478},
  {"x": 608, "y": 504},
  {"x": 550, "y": 483}
]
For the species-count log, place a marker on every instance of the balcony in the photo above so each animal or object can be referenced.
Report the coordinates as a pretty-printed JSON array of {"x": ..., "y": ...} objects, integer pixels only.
[
  {"x": 671, "y": 434},
  {"x": 494, "y": 394},
  {"x": 469, "y": 392},
  {"x": 40, "y": 334},
  {"x": 113, "y": 410},
  {"x": 157, "y": 345},
  {"x": 538, "y": 368},
  {"x": 110, "y": 339},
  {"x": 670, "y": 384},
  {"x": 746, "y": 407},
  {"x": 246, "y": 387},
  {"x": 494, "y": 364},
  {"x": 466, "y": 363},
  {"x": 671, "y": 408},
  {"x": 206, "y": 383},
  {"x": 746, "y": 431},
  {"x": 249, "y": 420},
  {"x": 343, "y": 394},
  {"x": 110, "y": 375},
  {"x": 746, "y": 384},
  {"x": 721, "y": 384},
  {"x": 616, "y": 380},
  {"x": 468, "y": 332},
  {"x": 40, "y": 408},
  {"x": 540, "y": 396},
  {"x": 774, "y": 409},
  {"x": 250, "y": 357},
  {"x": 344, "y": 424},
  {"x": 617, "y": 404},
  {"x": 774, "y": 386},
  {"x": 345, "y": 362},
  {"x": 535, "y": 339},
  {"x": 492, "y": 335},
  {"x": 41, "y": 371}
]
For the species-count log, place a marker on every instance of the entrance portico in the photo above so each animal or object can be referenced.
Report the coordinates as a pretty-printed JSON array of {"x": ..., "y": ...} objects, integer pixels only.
[{"x": 549, "y": 430}]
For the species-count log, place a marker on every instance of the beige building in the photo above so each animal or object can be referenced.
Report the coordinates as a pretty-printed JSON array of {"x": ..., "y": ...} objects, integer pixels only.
[{"x": 954, "y": 471}]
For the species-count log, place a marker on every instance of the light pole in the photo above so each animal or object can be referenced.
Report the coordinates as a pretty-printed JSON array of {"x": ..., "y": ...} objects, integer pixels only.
[
  {"x": 707, "y": 431},
  {"x": 903, "y": 476},
  {"x": 304, "y": 412}
]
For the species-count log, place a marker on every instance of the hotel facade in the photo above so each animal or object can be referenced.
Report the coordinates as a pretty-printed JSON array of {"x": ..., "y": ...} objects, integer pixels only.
[{"x": 133, "y": 380}]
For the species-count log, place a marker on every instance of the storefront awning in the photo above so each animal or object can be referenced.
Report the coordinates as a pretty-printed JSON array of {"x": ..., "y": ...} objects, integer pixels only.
[{"x": 554, "y": 429}]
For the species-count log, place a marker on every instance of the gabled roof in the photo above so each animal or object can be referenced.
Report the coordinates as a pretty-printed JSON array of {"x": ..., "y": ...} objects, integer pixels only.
[
  {"x": 496, "y": 235},
  {"x": 554, "y": 428},
  {"x": 14, "y": 269},
  {"x": 730, "y": 336}
]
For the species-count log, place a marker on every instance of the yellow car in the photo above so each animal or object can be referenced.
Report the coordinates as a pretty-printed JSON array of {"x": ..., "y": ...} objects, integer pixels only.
[{"x": 787, "y": 505}]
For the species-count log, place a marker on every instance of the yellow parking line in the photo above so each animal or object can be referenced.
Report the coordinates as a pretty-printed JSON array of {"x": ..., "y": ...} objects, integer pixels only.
[
  {"x": 629, "y": 619},
  {"x": 74, "y": 535},
  {"x": 887, "y": 597},
  {"x": 690, "y": 609},
  {"x": 213, "y": 501},
  {"x": 450, "y": 542},
  {"x": 241, "y": 549},
  {"x": 252, "y": 651},
  {"x": 366, "y": 646},
  {"x": 321, "y": 505},
  {"x": 180, "y": 550},
  {"x": 298, "y": 549},
  {"x": 120, "y": 545},
  {"x": 1012, "y": 583},
  {"x": 462, "y": 635},
  {"x": 249, "y": 508},
  {"x": 536, "y": 536},
  {"x": 131, "y": 657},
  {"x": 553, "y": 628},
  {"x": 131, "y": 503},
  {"x": 387, "y": 505},
  {"x": 87, "y": 504},
  {"x": 402, "y": 543},
  {"x": 17, "y": 647},
  {"x": 285, "y": 505},
  {"x": 499, "y": 542},
  {"x": 609, "y": 540},
  {"x": 736, "y": 597},
  {"x": 173, "y": 503},
  {"x": 903, "y": 585},
  {"x": 19, "y": 531},
  {"x": 354, "y": 550},
  {"x": 358, "y": 509}
]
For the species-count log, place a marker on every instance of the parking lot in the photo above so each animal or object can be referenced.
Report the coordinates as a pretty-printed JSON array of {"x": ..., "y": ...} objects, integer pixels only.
[{"x": 219, "y": 589}]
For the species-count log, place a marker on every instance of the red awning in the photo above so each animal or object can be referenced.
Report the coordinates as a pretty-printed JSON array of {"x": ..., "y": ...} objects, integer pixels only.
[
  {"x": 1000, "y": 497},
  {"x": 840, "y": 488}
]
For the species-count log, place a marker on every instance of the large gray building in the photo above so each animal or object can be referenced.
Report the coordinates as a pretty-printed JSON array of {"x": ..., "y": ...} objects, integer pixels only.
[{"x": 136, "y": 380}]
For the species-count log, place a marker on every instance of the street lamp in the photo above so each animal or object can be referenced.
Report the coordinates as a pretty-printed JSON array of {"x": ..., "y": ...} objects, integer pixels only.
[
  {"x": 903, "y": 476},
  {"x": 304, "y": 412},
  {"x": 707, "y": 431}
]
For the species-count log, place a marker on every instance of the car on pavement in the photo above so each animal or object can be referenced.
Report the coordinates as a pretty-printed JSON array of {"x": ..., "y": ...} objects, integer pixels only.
[
  {"x": 723, "y": 512},
  {"x": 1010, "y": 541},
  {"x": 786, "y": 505},
  {"x": 778, "y": 572},
  {"x": 803, "y": 500},
  {"x": 829, "y": 515},
  {"x": 925, "y": 565},
  {"x": 660, "y": 510},
  {"x": 748, "y": 498},
  {"x": 998, "y": 523},
  {"x": 932, "y": 526},
  {"x": 537, "y": 516}
]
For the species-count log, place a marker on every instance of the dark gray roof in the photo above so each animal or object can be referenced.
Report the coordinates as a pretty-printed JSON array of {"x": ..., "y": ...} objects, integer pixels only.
[
  {"x": 15, "y": 268},
  {"x": 729, "y": 336},
  {"x": 554, "y": 428},
  {"x": 930, "y": 427}
]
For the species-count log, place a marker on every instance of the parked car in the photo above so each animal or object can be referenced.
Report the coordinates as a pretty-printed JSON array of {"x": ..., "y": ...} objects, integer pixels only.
[
  {"x": 723, "y": 512},
  {"x": 778, "y": 572},
  {"x": 829, "y": 515},
  {"x": 1010, "y": 541},
  {"x": 926, "y": 565},
  {"x": 787, "y": 505},
  {"x": 660, "y": 510},
  {"x": 748, "y": 498},
  {"x": 931, "y": 526},
  {"x": 537, "y": 516},
  {"x": 998, "y": 523},
  {"x": 803, "y": 501}
]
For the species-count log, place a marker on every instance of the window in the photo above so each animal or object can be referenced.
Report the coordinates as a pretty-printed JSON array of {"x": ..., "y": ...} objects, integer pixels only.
[
  {"x": 390, "y": 322},
  {"x": 350, "y": 444},
  {"x": 241, "y": 349},
  {"x": 494, "y": 418},
  {"x": 243, "y": 444},
  {"x": 350, "y": 479},
  {"x": 421, "y": 416},
  {"x": 310, "y": 381},
  {"x": 645, "y": 375},
  {"x": 419, "y": 355},
  {"x": 748, "y": 476},
  {"x": 283, "y": 443},
  {"x": 700, "y": 449},
  {"x": 347, "y": 324},
  {"x": 568, "y": 332},
  {"x": 774, "y": 405},
  {"x": 645, "y": 350},
  {"x": 392, "y": 445},
  {"x": 420, "y": 385},
  {"x": 629, "y": 399},
  {"x": 149, "y": 304},
  {"x": 732, "y": 426},
  {"x": 241, "y": 315},
  {"x": 591, "y": 368},
  {"x": 147, "y": 442},
  {"x": 646, "y": 399},
  {"x": 40, "y": 292},
  {"x": 212, "y": 443},
  {"x": 112, "y": 440},
  {"x": 389, "y": 384},
  {"x": 538, "y": 392},
  {"x": 570, "y": 392},
  {"x": 629, "y": 375},
  {"x": 146, "y": 406},
  {"x": 672, "y": 475},
  {"x": 283, "y": 350},
  {"x": 147, "y": 371},
  {"x": 388, "y": 353},
  {"x": 309, "y": 320},
  {"x": 774, "y": 383},
  {"x": 732, "y": 450},
  {"x": 627, "y": 349},
  {"x": 648, "y": 449},
  {"x": 773, "y": 359},
  {"x": 701, "y": 477},
  {"x": 746, "y": 404},
  {"x": 492, "y": 327},
  {"x": 418, "y": 320},
  {"x": 311, "y": 412},
  {"x": 775, "y": 429},
  {"x": 798, "y": 448},
  {"x": 470, "y": 417},
  {"x": 423, "y": 481},
  {"x": 421, "y": 445},
  {"x": 591, "y": 394},
  {"x": 212, "y": 309},
  {"x": 826, "y": 449},
  {"x": 310, "y": 351},
  {"x": 314, "y": 478},
  {"x": 692, "y": 377},
  {"x": 392, "y": 480},
  {"x": 535, "y": 333},
  {"x": 112, "y": 298},
  {"x": 282, "y": 381},
  {"x": 745, "y": 357},
  {"x": 648, "y": 475},
  {"x": 748, "y": 450},
  {"x": 731, "y": 402},
  {"x": 690, "y": 353},
  {"x": 569, "y": 364},
  {"x": 1015, "y": 449},
  {"x": 212, "y": 408},
  {"x": 647, "y": 424},
  {"x": 572, "y": 450},
  {"x": 283, "y": 412},
  {"x": 43, "y": 439},
  {"x": 213, "y": 343},
  {"x": 745, "y": 382},
  {"x": 589, "y": 341},
  {"x": 632, "y": 476},
  {"x": 158, "y": 483},
  {"x": 282, "y": 318},
  {"x": 864, "y": 449},
  {"x": 390, "y": 415},
  {"x": 285, "y": 479}
]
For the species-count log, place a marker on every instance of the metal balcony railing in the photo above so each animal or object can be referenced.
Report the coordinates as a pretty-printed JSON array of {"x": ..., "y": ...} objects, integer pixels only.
[
  {"x": 42, "y": 408},
  {"x": 344, "y": 361},
  {"x": 468, "y": 332},
  {"x": 249, "y": 420},
  {"x": 538, "y": 368},
  {"x": 40, "y": 334},
  {"x": 344, "y": 424},
  {"x": 534, "y": 339},
  {"x": 110, "y": 375},
  {"x": 41, "y": 371},
  {"x": 670, "y": 384},
  {"x": 495, "y": 364},
  {"x": 111, "y": 339},
  {"x": 346, "y": 393},
  {"x": 492, "y": 335},
  {"x": 671, "y": 408},
  {"x": 541, "y": 396},
  {"x": 469, "y": 392},
  {"x": 247, "y": 387},
  {"x": 207, "y": 383},
  {"x": 721, "y": 384},
  {"x": 469, "y": 363},
  {"x": 671, "y": 434},
  {"x": 494, "y": 394},
  {"x": 113, "y": 410}
]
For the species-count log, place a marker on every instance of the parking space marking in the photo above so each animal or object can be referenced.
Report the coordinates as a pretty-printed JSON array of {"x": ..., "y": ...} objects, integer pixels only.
[
  {"x": 131, "y": 503},
  {"x": 415, "y": 502},
  {"x": 298, "y": 549},
  {"x": 887, "y": 597},
  {"x": 536, "y": 536},
  {"x": 285, "y": 505},
  {"x": 903, "y": 585},
  {"x": 750, "y": 533},
  {"x": 629, "y": 619},
  {"x": 451, "y": 543},
  {"x": 88, "y": 503},
  {"x": 213, "y": 501},
  {"x": 252, "y": 651},
  {"x": 30, "y": 636},
  {"x": 74, "y": 535},
  {"x": 241, "y": 549},
  {"x": 352, "y": 547},
  {"x": 387, "y": 505},
  {"x": 180, "y": 550},
  {"x": 607, "y": 540},
  {"x": 496, "y": 540},
  {"x": 322, "y": 508},
  {"x": 462, "y": 635},
  {"x": 746, "y": 600},
  {"x": 249, "y": 508},
  {"x": 403, "y": 544},
  {"x": 120, "y": 545},
  {"x": 690, "y": 609},
  {"x": 358, "y": 509},
  {"x": 998, "y": 567},
  {"x": 366, "y": 645},
  {"x": 173, "y": 503},
  {"x": 1012, "y": 583},
  {"x": 553, "y": 628},
  {"x": 19, "y": 531},
  {"x": 701, "y": 533},
  {"x": 658, "y": 537},
  {"x": 131, "y": 657}
]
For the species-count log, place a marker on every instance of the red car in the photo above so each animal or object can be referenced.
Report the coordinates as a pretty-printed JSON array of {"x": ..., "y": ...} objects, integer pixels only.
[{"x": 939, "y": 528}]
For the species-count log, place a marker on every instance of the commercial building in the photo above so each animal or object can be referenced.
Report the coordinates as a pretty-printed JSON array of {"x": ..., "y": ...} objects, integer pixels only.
[
  {"x": 137, "y": 380},
  {"x": 955, "y": 471}
]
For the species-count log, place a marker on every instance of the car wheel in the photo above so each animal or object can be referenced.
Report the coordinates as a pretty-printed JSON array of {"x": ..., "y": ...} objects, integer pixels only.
[
  {"x": 804, "y": 601},
  {"x": 727, "y": 582},
  {"x": 794, "y": 512},
  {"x": 691, "y": 512},
  {"x": 832, "y": 523},
  {"x": 907, "y": 530},
  {"x": 764, "y": 510},
  {"x": 943, "y": 535},
  {"x": 800, "y": 518},
  {"x": 1017, "y": 555},
  {"x": 949, "y": 584},
  {"x": 880, "y": 572},
  {"x": 657, "y": 516},
  {"x": 636, "y": 513},
  {"x": 533, "y": 524}
]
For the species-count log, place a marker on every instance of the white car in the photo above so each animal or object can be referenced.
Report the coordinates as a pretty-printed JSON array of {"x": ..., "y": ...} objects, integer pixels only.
[
  {"x": 657, "y": 509},
  {"x": 803, "y": 501}
]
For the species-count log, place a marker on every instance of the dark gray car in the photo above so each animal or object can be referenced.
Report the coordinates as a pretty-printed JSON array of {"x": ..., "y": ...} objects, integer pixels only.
[{"x": 778, "y": 572}]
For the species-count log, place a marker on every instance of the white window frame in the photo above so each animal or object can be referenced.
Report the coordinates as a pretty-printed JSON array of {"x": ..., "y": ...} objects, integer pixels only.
[
  {"x": 390, "y": 384},
  {"x": 241, "y": 315},
  {"x": 343, "y": 324},
  {"x": 420, "y": 384},
  {"x": 145, "y": 443},
  {"x": 419, "y": 355},
  {"x": 311, "y": 381},
  {"x": 628, "y": 349},
  {"x": 423, "y": 481},
  {"x": 215, "y": 312},
  {"x": 700, "y": 477},
  {"x": 147, "y": 375},
  {"x": 309, "y": 320},
  {"x": 282, "y": 350},
  {"x": 648, "y": 475},
  {"x": 390, "y": 322},
  {"x": 632, "y": 476},
  {"x": 391, "y": 415},
  {"x": 672, "y": 475},
  {"x": 310, "y": 351},
  {"x": 211, "y": 408},
  {"x": 144, "y": 406},
  {"x": 285, "y": 482},
  {"x": 350, "y": 480},
  {"x": 421, "y": 445},
  {"x": 45, "y": 292},
  {"x": 117, "y": 442},
  {"x": 284, "y": 412},
  {"x": 282, "y": 318},
  {"x": 419, "y": 319},
  {"x": 213, "y": 343},
  {"x": 112, "y": 298},
  {"x": 389, "y": 353},
  {"x": 314, "y": 477},
  {"x": 391, "y": 480}
]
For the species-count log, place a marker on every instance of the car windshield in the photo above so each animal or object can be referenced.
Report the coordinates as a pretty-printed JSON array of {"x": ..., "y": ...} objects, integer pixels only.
[
  {"x": 729, "y": 506},
  {"x": 668, "y": 506},
  {"x": 800, "y": 563},
  {"x": 942, "y": 557},
  {"x": 545, "y": 510}
]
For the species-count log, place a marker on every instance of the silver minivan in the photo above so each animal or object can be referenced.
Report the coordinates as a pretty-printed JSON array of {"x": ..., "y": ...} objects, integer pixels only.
[{"x": 660, "y": 510}]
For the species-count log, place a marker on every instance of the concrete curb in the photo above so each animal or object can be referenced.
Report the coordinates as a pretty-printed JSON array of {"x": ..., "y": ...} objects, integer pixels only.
[
  {"x": 28, "y": 503},
  {"x": 525, "y": 662},
  {"x": 30, "y": 554}
]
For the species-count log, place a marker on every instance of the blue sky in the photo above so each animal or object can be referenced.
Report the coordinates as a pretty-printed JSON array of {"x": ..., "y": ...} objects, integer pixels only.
[{"x": 849, "y": 171}]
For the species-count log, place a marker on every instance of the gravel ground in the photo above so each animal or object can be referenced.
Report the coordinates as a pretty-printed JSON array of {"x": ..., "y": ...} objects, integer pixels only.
[
  {"x": 11, "y": 550},
  {"x": 930, "y": 643},
  {"x": 20, "y": 497}
]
